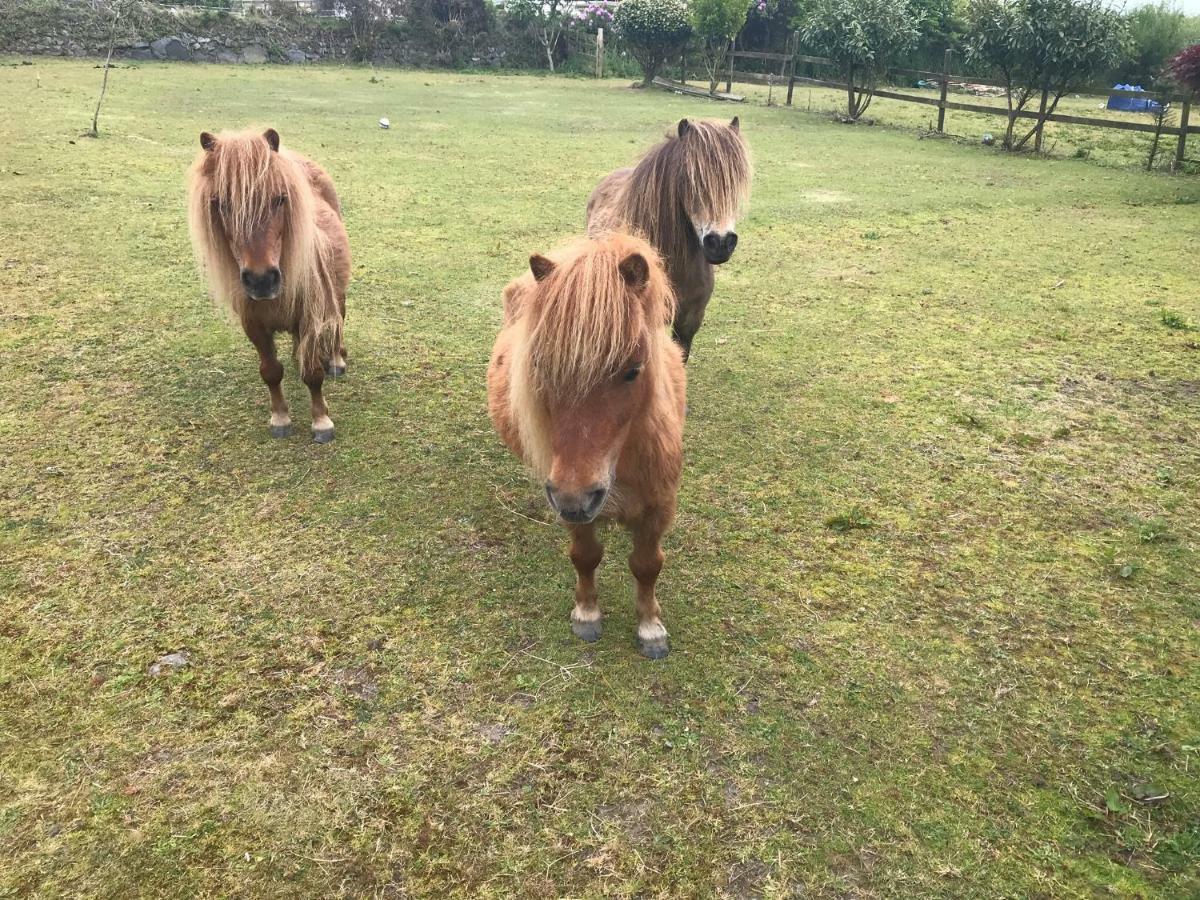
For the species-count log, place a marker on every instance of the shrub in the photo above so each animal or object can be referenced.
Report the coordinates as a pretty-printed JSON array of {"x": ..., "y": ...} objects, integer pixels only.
[
  {"x": 1185, "y": 67},
  {"x": 654, "y": 31},
  {"x": 863, "y": 37},
  {"x": 716, "y": 23}
]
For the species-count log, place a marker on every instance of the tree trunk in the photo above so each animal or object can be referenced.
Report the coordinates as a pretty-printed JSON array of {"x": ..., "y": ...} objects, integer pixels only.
[
  {"x": 851, "y": 106},
  {"x": 112, "y": 40}
]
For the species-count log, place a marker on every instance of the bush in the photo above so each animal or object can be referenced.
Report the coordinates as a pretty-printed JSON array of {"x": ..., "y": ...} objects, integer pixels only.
[
  {"x": 1185, "y": 68},
  {"x": 654, "y": 31},
  {"x": 863, "y": 37},
  {"x": 716, "y": 23},
  {"x": 453, "y": 29}
]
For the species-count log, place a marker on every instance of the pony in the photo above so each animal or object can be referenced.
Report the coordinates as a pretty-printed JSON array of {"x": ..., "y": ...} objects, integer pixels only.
[
  {"x": 587, "y": 388},
  {"x": 684, "y": 197},
  {"x": 266, "y": 227}
]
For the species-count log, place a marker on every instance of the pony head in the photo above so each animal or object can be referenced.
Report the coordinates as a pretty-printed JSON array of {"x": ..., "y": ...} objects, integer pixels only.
[
  {"x": 249, "y": 218},
  {"x": 714, "y": 172},
  {"x": 591, "y": 357}
]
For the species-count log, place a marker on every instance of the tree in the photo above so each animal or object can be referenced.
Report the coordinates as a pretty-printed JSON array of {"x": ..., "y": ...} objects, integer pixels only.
[
  {"x": 1156, "y": 34},
  {"x": 863, "y": 37},
  {"x": 546, "y": 20},
  {"x": 1044, "y": 48},
  {"x": 1185, "y": 67},
  {"x": 117, "y": 9},
  {"x": 654, "y": 31},
  {"x": 716, "y": 23}
]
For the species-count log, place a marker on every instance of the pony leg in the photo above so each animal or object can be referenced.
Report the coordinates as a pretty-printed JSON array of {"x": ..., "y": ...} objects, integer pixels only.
[
  {"x": 271, "y": 370},
  {"x": 586, "y": 554},
  {"x": 322, "y": 425},
  {"x": 337, "y": 365},
  {"x": 645, "y": 562}
]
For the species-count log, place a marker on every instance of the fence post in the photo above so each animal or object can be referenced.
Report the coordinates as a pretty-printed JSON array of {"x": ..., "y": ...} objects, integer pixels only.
[
  {"x": 795, "y": 44},
  {"x": 599, "y": 52},
  {"x": 945, "y": 85},
  {"x": 1181, "y": 147},
  {"x": 1041, "y": 122},
  {"x": 729, "y": 80},
  {"x": 683, "y": 66},
  {"x": 850, "y": 110}
]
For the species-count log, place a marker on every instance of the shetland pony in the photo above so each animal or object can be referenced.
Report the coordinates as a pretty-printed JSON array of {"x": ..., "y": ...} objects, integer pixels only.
[
  {"x": 684, "y": 197},
  {"x": 587, "y": 388},
  {"x": 267, "y": 230}
]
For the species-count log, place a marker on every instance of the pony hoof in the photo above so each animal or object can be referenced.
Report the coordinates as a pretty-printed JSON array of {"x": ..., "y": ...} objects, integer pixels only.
[
  {"x": 657, "y": 649},
  {"x": 322, "y": 435},
  {"x": 587, "y": 631},
  {"x": 334, "y": 371},
  {"x": 281, "y": 431}
]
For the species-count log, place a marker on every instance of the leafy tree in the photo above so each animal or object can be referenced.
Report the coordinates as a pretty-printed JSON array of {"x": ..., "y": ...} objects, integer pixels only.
[
  {"x": 1156, "y": 34},
  {"x": 546, "y": 20},
  {"x": 1044, "y": 48},
  {"x": 1185, "y": 67},
  {"x": 863, "y": 37},
  {"x": 654, "y": 31},
  {"x": 716, "y": 23}
]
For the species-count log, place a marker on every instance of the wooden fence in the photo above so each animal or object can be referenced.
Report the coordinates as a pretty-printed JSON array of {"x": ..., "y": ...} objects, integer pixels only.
[{"x": 944, "y": 80}]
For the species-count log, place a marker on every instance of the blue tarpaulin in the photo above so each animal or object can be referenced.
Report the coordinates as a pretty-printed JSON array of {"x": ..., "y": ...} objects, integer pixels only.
[{"x": 1131, "y": 104}]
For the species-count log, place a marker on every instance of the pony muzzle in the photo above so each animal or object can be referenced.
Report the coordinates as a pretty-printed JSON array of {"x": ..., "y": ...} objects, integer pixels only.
[
  {"x": 718, "y": 246},
  {"x": 262, "y": 285},
  {"x": 577, "y": 507}
]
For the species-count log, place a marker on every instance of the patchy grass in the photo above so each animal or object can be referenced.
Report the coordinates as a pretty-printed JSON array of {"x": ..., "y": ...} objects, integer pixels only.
[{"x": 366, "y": 684}]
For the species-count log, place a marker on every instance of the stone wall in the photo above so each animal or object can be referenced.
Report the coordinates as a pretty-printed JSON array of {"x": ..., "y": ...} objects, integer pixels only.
[{"x": 74, "y": 28}]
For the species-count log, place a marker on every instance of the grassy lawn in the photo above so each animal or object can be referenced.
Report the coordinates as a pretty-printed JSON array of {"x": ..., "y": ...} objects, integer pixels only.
[{"x": 933, "y": 592}]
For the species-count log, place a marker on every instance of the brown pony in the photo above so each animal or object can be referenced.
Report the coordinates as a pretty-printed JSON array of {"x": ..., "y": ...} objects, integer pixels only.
[
  {"x": 587, "y": 388},
  {"x": 684, "y": 197},
  {"x": 267, "y": 229}
]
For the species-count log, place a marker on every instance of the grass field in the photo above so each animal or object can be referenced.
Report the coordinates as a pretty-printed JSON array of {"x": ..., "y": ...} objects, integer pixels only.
[{"x": 933, "y": 590}]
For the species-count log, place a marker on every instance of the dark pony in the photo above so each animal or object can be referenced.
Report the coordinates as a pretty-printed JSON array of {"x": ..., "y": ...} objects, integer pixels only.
[
  {"x": 684, "y": 197},
  {"x": 587, "y": 388},
  {"x": 267, "y": 230}
]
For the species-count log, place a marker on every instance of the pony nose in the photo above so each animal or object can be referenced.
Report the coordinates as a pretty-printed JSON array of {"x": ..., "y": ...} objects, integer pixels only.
[
  {"x": 730, "y": 241},
  {"x": 577, "y": 507},
  {"x": 261, "y": 285},
  {"x": 712, "y": 242}
]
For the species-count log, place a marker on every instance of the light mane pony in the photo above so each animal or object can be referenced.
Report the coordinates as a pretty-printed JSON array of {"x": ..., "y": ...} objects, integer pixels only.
[
  {"x": 586, "y": 386},
  {"x": 267, "y": 232},
  {"x": 684, "y": 196}
]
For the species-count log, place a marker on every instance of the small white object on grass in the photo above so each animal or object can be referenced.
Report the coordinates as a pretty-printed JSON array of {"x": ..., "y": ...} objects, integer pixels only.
[{"x": 384, "y": 123}]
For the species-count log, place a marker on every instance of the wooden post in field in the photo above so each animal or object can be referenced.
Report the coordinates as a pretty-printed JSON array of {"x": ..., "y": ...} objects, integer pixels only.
[
  {"x": 1041, "y": 123},
  {"x": 850, "y": 111},
  {"x": 795, "y": 48},
  {"x": 729, "y": 80},
  {"x": 683, "y": 66},
  {"x": 599, "y": 52},
  {"x": 1181, "y": 147},
  {"x": 945, "y": 86}
]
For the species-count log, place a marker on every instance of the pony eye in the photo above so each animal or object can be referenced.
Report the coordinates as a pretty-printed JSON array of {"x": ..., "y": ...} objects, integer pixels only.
[
  {"x": 280, "y": 200},
  {"x": 632, "y": 374}
]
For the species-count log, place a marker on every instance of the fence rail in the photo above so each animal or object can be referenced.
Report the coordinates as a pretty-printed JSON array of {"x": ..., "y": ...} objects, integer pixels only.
[{"x": 943, "y": 81}]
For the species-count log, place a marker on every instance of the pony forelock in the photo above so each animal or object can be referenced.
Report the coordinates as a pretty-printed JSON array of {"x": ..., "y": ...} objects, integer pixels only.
[{"x": 584, "y": 321}]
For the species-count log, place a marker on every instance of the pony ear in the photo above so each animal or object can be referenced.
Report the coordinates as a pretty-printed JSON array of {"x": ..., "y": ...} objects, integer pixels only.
[
  {"x": 208, "y": 141},
  {"x": 684, "y": 127},
  {"x": 736, "y": 125},
  {"x": 635, "y": 270},
  {"x": 540, "y": 266},
  {"x": 272, "y": 137}
]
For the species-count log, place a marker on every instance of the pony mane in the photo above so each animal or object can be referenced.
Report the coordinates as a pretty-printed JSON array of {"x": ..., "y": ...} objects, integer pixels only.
[
  {"x": 232, "y": 189},
  {"x": 704, "y": 176},
  {"x": 583, "y": 321}
]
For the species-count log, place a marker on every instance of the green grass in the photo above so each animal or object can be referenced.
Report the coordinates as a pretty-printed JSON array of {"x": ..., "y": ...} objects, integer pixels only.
[{"x": 989, "y": 692}]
